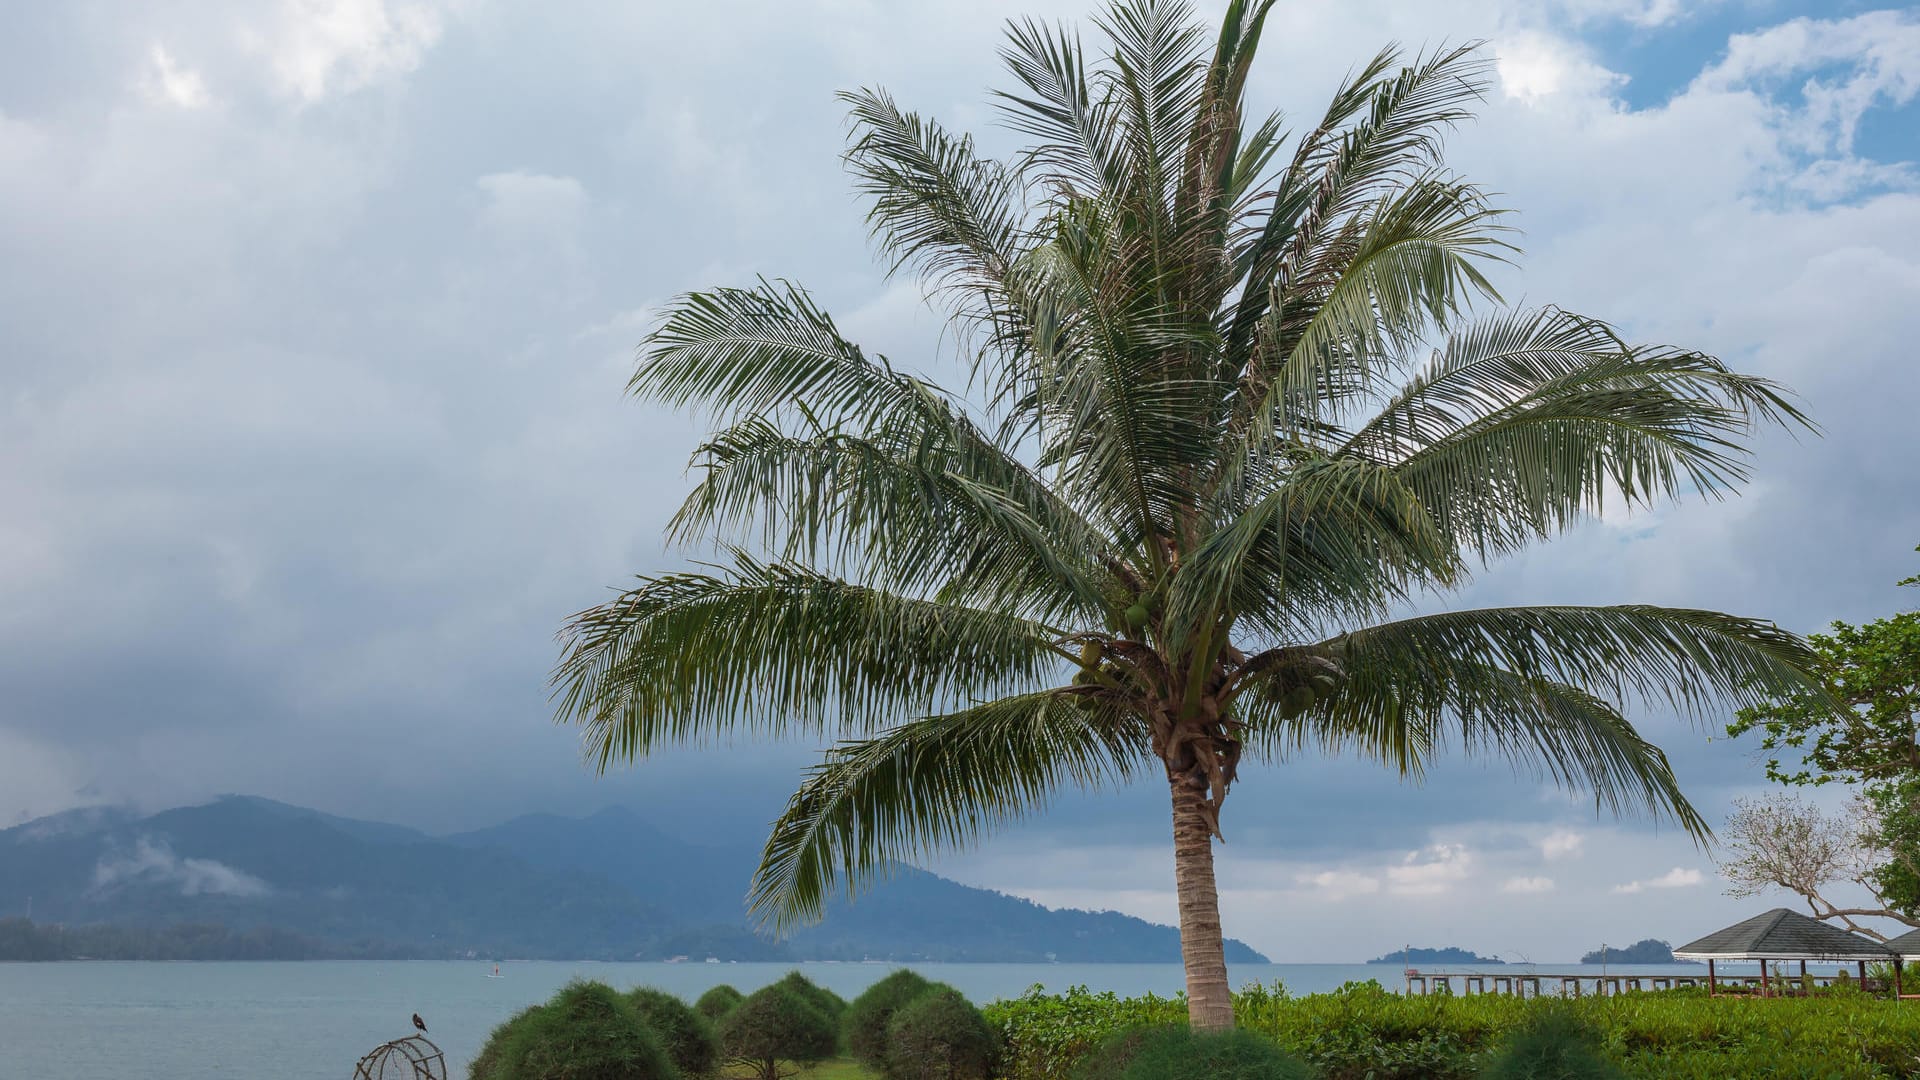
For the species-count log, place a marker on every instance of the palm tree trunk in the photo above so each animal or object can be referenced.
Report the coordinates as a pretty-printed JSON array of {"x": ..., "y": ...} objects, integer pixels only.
[{"x": 1202, "y": 948}]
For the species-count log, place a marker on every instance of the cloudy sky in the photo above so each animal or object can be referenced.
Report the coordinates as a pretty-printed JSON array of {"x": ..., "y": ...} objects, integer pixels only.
[{"x": 315, "y": 316}]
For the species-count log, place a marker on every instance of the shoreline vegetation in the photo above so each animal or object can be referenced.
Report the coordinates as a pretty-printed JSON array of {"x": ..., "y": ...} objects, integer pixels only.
[
  {"x": 1364, "y": 1031},
  {"x": 1446, "y": 955},
  {"x": 25, "y": 941},
  {"x": 907, "y": 1028}
]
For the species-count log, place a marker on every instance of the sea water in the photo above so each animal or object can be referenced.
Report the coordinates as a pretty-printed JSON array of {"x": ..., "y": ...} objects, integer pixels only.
[{"x": 100, "y": 1020}]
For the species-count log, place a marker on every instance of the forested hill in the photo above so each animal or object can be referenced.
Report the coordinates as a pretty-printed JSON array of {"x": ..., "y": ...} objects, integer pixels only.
[
  {"x": 1648, "y": 951},
  {"x": 248, "y": 878},
  {"x": 1447, "y": 955}
]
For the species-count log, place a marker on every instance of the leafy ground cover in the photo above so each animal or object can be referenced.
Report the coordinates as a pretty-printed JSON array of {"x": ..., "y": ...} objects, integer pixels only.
[{"x": 1362, "y": 1031}]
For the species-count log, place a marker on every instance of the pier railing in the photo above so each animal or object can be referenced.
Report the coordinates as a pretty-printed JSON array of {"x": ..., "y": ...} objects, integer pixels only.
[{"x": 1534, "y": 984}]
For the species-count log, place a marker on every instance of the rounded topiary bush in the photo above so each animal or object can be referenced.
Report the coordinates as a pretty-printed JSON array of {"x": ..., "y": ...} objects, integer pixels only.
[
  {"x": 1553, "y": 1045},
  {"x": 1180, "y": 1053},
  {"x": 774, "y": 1024},
  {"x": 939, "y": 1035},
  {"x": 718, "y": 1002},
  {"x": 587, "y": 1031},
  {"x": 685, "y": 1035},
  {"x": 865, "y": 1023},
  {"x": 490, "y": 1063},
  {"x": 816, "y": 995}
]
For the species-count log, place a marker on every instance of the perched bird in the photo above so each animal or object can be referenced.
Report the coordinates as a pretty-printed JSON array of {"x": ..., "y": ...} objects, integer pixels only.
[{"x": 419, "y": 1023}]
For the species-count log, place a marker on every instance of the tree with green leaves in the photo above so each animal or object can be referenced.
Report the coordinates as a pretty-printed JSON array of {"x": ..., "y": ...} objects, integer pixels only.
[
  {"x": 939, "y": 1035},
  {"x": 1237, "y": 398},
  {"x": 586, "y": 1031},
  {"x": 685, "y": 1036},
  {"x": 775, "y": 1024},
  {"x": 718, "y": 1002},
  {"x": 1871, "y": 743},
  {"x": 863, "y": 1027}
]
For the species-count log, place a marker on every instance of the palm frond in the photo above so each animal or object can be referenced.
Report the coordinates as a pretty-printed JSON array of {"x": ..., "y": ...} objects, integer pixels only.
[
  {"x": 1689, "y": 660},
  {"x": 934, "y": 784},
  {"x": 757, "y": 352},
  {"x": 765, "y": 647},
  {"x": 956, "y": 219},
  {"x": 1328, "y": 540},
  {"x": 1405, "y": 711},
  {"x": 1523, "y": 422},
  {"x": 1410, "y": 263},
  {"x": 1344, "y": 162},
  {"x": 1061, "y": 107},
  {"x": 1120, "y": 420},
  {"x": 919, "y": 499},
  {"x": 1157, "y": 75}
]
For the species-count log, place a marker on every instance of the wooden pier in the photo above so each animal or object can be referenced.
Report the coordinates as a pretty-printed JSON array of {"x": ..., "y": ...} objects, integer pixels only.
[{"x": 1589, "y": 984}]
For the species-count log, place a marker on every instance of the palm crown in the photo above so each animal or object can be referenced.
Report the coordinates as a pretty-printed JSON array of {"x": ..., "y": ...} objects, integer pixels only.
[{"x": 1233, "y": 406}]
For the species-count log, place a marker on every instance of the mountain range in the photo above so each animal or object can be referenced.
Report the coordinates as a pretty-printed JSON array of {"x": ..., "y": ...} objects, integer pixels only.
[{"x": 257, "y": 879}]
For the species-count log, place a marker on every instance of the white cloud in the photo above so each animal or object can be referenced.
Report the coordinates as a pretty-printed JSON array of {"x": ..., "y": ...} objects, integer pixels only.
[
  {"x": 153, "y": 862},
  {"x": 1676, "y": 878},
  {"x": 1527, "y": 885},
  {"x": 1562, "y": 844},
  {"x": 167, "y": 82},
  {"x": 1340, "y": 884},
  {"x": 322, "y": 47},
  {"x": 1642, "y": 13},
  {"x": 1878, "y": 52},
  {"x": 1432, "y": 870},
  {"x": 1533, "y": 67}
]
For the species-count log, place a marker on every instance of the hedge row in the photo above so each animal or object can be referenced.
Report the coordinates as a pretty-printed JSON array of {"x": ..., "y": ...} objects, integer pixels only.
[
  {"x": 904, "y": 1028},
  {"x": 1362, "y": 1031}
]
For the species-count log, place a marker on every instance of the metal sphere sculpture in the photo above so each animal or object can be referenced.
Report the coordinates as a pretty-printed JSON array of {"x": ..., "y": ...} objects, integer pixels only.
[{"x": 411, "y": 1058}]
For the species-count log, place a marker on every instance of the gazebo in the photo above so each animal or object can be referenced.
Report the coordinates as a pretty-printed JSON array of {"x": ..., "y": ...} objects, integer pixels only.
[
  {"x": 1907, "y": 945},
  {"x": 1782, "y": 934}
]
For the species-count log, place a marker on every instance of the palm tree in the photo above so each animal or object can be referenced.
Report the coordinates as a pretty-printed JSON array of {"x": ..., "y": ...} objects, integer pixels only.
[{"x": 1233, "y": 407}]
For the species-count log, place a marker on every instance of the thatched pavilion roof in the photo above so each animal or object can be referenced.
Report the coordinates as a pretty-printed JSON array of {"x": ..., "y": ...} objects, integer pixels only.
[
  {"x": 1907, "y": 945},
  {"x": 1781, "y": 934}
]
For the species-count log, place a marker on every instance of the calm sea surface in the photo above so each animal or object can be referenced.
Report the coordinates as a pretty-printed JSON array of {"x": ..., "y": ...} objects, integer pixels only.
[{"x": 312, "y": 1021}]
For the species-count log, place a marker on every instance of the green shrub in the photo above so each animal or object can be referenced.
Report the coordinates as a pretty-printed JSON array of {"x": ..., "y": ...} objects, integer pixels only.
[
  {"x": 685, "y": 1035},
  {"x": 776, "y": 1023},
  {"x": 816, "y": 995},
  {"x": 585, "y": 1032},
  {"x": 718, "y": 1002},
  {"x": 1046, "y": 1036},
  {"x": 938, "y": 1036},
  {"x": 1362, "y": 1032},
  {"x": 864, "y": 1027},
  {"x": 1555, "y": 1044},
  {"x": 489, "y": 1064},
  {"x": 1176, "y": 1052}
]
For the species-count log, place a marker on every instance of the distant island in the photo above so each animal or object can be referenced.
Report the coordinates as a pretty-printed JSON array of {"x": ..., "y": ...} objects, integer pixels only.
[
  {"x": 1648, "y": 951},
  {"x": 1448, "y": 955}
]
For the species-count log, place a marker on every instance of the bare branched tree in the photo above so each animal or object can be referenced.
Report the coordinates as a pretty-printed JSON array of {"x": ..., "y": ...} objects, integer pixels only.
[{"x": 1784, "y": 842}]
